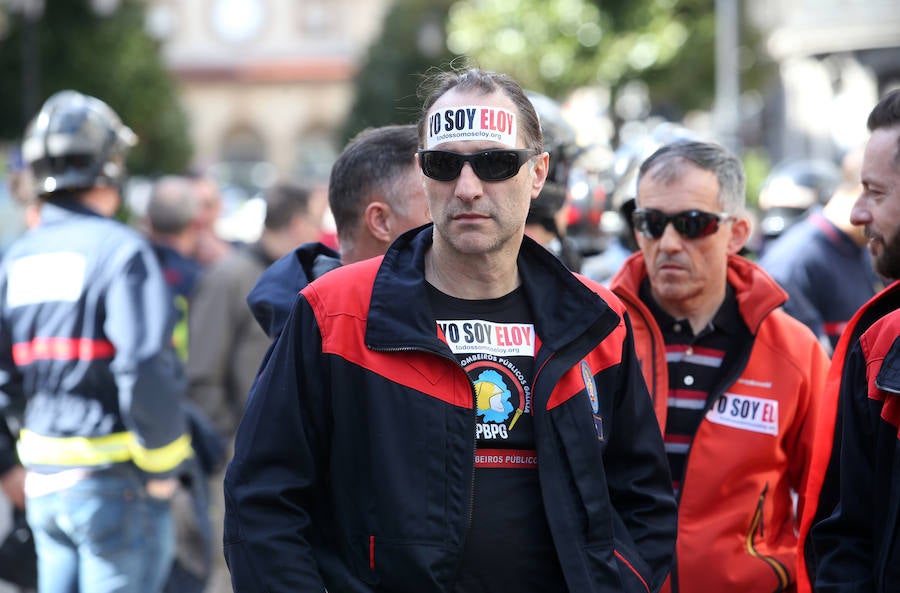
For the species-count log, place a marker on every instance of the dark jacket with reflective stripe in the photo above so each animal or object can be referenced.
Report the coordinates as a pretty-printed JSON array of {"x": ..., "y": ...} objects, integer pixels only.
[
  {"x": 86, "y": 339},
  {"x": 354, "y": 460}
]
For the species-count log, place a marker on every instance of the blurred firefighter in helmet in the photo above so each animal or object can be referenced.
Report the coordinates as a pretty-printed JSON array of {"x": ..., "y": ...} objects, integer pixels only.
[
  {"x": 548, "y": 214},
  {"x": 791, "y": 191},
  {"x": 86, "y": 346}
]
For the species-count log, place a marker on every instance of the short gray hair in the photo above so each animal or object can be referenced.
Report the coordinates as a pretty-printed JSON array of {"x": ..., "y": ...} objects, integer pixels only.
[
  {"x": 667, "y": 164},
  {"x": 172, "y": 206}
]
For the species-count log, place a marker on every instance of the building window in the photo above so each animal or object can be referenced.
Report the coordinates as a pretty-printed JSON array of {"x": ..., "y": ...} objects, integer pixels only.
[
  {"x": 315, "y": 153},
  {"x": 318, "y": 18},
  {"x": 243, "y": 169},
  {"x": 238, "y": 21}
]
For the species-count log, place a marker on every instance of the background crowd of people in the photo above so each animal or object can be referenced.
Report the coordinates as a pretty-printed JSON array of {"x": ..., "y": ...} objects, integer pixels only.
[{"x": 710, "y": 384}]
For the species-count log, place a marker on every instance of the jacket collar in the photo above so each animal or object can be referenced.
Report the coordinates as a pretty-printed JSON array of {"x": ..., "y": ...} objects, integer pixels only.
[
  {"x": 562, "y": 306},
  {"x": 54, "y": 211},
  {"x": 272, "y": 296}
]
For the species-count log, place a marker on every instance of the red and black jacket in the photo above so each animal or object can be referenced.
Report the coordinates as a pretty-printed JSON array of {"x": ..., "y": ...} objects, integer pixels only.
[
  {"x": 852, "y": 547},
  {"x": 354, "y": 460}
]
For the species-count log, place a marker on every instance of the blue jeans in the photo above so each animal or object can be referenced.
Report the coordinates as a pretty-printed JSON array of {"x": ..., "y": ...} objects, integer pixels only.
[{"x": 103, "y": 534}]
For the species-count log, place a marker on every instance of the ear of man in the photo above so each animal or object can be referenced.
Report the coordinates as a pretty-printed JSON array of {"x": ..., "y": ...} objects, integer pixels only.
[
  {"x": 541, "y": 168},
  {"x": 378, "y": 220},
  {"x": 740, "y": 234}
]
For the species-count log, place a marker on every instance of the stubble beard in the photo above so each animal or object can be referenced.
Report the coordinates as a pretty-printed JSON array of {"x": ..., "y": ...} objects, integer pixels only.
[{"x": 888, "y": 263}]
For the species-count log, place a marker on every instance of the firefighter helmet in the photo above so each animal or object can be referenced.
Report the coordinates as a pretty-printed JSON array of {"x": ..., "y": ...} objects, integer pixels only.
[{"x": 76, "y": 142}]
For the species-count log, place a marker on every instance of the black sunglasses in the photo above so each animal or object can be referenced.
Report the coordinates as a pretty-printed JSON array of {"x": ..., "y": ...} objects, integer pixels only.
[
  {"x": 489, "y": 165},
  {"x": 690, "y": 224}
]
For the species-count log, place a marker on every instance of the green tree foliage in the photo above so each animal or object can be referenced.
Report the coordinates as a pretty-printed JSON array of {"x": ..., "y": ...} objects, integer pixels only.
[
  {"x": 411, "y": 43},
  {"x": 554, "y": 46},
  {"x": 110, "y": 57}
]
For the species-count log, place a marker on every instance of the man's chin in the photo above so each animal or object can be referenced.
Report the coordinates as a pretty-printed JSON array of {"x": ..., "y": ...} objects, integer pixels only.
[
  {"x": 670, "y": 291},
  {"x": 670, "y": 274},
  {"x": 888, "y": 266}
]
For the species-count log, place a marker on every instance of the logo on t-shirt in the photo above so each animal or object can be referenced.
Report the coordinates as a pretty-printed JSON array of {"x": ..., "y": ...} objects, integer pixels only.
[
  {"x": 502, "y": 394},
  {"x": 499, "y": 339},
  {"x": 491, "y": 354}
]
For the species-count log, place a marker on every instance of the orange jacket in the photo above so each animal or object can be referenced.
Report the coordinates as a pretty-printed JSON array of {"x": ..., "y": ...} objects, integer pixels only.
[{"x": 736, "y": 519}]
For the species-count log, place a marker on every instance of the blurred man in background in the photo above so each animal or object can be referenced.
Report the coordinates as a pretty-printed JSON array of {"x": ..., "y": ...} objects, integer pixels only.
[
  {"x": 375, "y": 193},
  {"x": 209, "y": 247},
  {"x": 790, "y": 191},
  {"x": 225, "y": 343},
  {"x": 822, "y": 263},
  {"x": 548, "y": 214},
  {"x": 85, "y": 341},
  {"x": 226, "y": 346},
  {"x": 172, "y": 230}
]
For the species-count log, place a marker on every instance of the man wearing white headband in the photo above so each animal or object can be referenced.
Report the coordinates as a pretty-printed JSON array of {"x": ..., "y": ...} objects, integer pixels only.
[{"x": 463, "y": 414}]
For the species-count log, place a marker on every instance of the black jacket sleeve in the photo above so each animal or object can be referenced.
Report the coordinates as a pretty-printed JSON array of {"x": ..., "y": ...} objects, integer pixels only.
[
  {"x": 640, "y": 482},
  {"x": 276, "y": 476},
  {"x": 844, "y": 542}
]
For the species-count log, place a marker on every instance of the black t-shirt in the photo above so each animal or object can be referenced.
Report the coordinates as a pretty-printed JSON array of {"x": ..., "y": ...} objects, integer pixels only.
[{"x": 508, "y": 546}]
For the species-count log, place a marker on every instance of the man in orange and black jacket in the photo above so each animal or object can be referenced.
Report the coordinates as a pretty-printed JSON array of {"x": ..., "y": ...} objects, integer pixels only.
[{"x": 734, "y": 379}]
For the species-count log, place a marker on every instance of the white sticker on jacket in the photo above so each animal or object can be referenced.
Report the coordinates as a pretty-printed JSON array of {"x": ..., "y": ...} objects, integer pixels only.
[
  {"x": 745, "y": 413},
  {"x": 472, "y": 122},
  {"x": 500, "y": 339},
  {"x": 45, "y": 278}
]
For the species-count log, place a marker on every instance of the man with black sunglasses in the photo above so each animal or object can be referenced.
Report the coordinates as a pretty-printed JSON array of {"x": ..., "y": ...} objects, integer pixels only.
[
  {"x": 462, "y": 414},
  {"x": 734, "y": 379}
]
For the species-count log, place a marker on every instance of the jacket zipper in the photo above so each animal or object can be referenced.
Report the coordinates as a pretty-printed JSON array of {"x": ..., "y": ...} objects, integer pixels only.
[
  {"x": 471, "y": 511},
  {"x": 648, "y": 323},
  {"x": 739, "y": 366},
  {"x": 757, "y": 525}
]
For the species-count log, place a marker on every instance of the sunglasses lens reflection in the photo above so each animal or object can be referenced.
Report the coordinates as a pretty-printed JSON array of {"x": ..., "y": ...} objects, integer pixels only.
[
  {"x": 489, "y": 165},
  {"x": 691, "y": 224},
  {"x": 442, "y": 166}
]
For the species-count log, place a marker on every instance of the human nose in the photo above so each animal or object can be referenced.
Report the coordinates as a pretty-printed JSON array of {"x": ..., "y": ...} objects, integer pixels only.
[
  {"x": 860, "y": 214},
  {"x": 468, "y": 185},
  {"x": 670, "y": 240}
]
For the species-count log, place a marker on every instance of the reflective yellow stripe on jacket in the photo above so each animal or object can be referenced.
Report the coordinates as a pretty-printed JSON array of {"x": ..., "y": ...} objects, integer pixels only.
[{"x": 35, "y": 449}]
